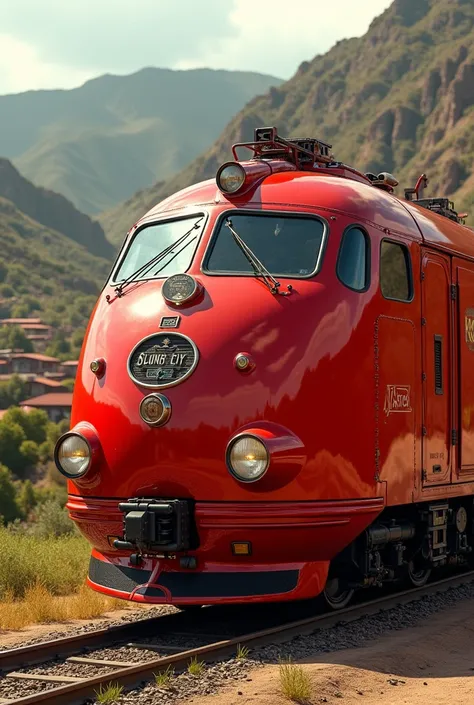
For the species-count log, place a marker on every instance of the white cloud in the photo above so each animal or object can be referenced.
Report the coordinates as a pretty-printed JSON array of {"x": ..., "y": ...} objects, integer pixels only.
[
  {"x": 275, "y": 36},
  {"x": 61, "y": 43},
  {"x": 21, "y": 69}
]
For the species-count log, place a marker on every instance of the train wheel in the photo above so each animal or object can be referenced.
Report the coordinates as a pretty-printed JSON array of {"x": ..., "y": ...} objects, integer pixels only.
[
  {"x": 418, "y": 576},
  {"x": 336, "y": 594}
]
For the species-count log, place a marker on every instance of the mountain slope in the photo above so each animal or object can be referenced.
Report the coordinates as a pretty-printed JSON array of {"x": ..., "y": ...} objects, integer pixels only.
[
  {"x": 52, "y": 210},
  {"x": 399, "y": 99},
  {"x": 99, "y": 143},
  {"x": 43, "y": 272}
]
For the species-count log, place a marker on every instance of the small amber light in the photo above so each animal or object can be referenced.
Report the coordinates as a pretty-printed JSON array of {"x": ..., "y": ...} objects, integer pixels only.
[
  {"x": 111, "y": 539},
  {"x": 244, "y": 548}
]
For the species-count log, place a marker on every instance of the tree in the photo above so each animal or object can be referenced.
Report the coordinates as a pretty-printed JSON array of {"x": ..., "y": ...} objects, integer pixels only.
[
  {"x": 26, "y": 498},
  {"x": 34, "y": 422},
  {"x": 12, "y": 392},
  {"x": 59, "y": 346},
  {"x": 11, "y": 438},
  {"x": 29, "y": 451},
  {"x": 9, "y": 509},
  {"x": 14, "y": 337}
]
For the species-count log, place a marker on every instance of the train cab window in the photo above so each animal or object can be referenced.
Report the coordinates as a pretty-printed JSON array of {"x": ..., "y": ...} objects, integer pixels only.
[
  {"x": 161, "y": 249},
  {"x": 287, "y": 245},
  {"x": 395, "y": 271},
  {"x": 353, "y": 268}
]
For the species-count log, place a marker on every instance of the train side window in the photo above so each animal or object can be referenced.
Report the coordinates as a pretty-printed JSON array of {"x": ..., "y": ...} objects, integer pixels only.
[
  {"x": 395, "y": 271},
  {"x": 353, "y": 262}
]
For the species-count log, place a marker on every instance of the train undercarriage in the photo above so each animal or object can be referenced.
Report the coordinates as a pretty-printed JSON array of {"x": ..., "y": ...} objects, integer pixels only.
[{"x": 404, "y": 544}]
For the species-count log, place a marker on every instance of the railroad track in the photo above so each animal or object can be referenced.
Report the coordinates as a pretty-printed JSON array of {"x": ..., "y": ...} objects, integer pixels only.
[{"x": 77, "y": 678}]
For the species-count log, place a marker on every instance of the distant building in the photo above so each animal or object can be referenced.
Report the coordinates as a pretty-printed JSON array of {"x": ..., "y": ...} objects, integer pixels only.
[
  {"x": 19, "y": 321},
  {"x": 34, "y": 328},
  {"x": 70, "y": 368},
  {"x": 32, "y": 362},
  {"x": 35, "y": 386},
  {"x": 56, "y": 404}
]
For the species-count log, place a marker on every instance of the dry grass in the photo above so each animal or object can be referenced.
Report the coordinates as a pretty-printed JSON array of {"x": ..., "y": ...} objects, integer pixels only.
[
  {"x": 295, "y": 683},
  {"x": 60, "y": 564},
  {"x": 40, "y": 606}
]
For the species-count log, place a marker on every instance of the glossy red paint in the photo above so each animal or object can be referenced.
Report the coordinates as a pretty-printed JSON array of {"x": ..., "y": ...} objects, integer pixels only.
[{"x": 331, "y": 370}]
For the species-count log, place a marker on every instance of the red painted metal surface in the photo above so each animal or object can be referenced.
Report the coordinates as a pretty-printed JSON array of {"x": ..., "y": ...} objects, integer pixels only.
[{"x": 332, "y": 369}]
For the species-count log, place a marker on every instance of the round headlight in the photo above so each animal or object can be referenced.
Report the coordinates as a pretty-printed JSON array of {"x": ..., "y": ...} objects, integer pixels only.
[
  {"x": 73, "y": 456},
  {"x": 248, "y": 459},
  {"x": 230, "y": 177}
]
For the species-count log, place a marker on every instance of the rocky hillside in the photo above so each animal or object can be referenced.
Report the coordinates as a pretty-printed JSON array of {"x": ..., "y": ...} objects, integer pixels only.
[
  {"x": 52, "y": 210},
  {"x": 400, "y": 99},
  {"x": 100, "y": 143}
]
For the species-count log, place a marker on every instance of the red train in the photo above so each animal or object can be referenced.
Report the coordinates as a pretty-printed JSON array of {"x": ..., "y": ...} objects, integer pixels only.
[{"x": 275, "y": 390}]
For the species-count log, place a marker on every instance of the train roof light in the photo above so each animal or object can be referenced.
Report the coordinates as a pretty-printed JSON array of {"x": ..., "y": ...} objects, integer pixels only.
[{"x": 231, "y": 177}]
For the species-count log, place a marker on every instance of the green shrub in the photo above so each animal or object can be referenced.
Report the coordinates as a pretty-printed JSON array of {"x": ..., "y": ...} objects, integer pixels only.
[
  {"x": 60, "y": 564},
  {"x": 9, "y": 509},
  {"x": 51, "y": 519}
]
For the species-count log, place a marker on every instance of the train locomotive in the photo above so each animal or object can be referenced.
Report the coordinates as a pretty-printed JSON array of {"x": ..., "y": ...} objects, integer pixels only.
[{"x": 275, "y": 389}]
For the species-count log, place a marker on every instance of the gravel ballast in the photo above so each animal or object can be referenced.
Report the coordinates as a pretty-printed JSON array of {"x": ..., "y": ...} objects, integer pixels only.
[
  {"x": 213, "y": 677},
  {"x": 343, "y": 636}
]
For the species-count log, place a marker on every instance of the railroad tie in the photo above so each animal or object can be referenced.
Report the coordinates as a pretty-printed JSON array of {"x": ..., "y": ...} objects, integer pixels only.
[
  {"x": 156, "y": 647},
  {"x": 51, "y": 679},
  {"x": 102, "y": 662}
]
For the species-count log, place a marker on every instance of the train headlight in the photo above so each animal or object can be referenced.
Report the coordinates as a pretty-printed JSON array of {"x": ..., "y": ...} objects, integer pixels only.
[
  {"x": 230, "y": 177},
  {"x": 73, "y": 455},
  {"x": 247, "y": 459}
]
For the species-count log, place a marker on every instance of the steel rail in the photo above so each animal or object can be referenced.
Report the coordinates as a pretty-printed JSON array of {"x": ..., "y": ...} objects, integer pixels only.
[
  {"x": 23, "y": 656},
  {"x": 76, "y": 693}
]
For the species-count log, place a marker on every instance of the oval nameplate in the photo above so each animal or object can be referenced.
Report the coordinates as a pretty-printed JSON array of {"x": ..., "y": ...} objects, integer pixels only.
[{"x": 162, "y": 360}]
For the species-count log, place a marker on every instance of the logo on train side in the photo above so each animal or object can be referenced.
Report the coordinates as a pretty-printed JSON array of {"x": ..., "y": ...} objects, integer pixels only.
[
  {"x": 469, "y": 328},
  {"x": 397, "y": 399}
]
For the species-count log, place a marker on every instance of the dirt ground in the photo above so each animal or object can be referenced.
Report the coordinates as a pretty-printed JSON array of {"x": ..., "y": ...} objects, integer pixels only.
[{"x": 432, "y": 664}]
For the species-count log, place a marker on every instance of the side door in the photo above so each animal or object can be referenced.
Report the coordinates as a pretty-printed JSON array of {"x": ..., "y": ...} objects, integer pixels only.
[
  {"x": 437, "y": 367},
  {"x": 465, "y": 422}
]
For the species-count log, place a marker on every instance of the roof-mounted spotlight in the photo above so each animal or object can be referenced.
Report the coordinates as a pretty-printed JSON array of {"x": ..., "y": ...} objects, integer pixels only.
[{"x": 231, "y": 177}]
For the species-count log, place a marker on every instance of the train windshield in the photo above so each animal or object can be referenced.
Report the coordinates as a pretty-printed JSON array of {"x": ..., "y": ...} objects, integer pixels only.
[
  {"x": 286, "y": 245},
  {"x": 161, "y": 249}
]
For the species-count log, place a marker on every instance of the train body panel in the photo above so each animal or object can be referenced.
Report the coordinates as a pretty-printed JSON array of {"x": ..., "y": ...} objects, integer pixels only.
[{"x": 339, "y": 358}]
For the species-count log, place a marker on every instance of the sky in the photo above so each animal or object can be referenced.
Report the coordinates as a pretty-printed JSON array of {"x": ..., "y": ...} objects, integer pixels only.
[{"x": 63, "y": 43}]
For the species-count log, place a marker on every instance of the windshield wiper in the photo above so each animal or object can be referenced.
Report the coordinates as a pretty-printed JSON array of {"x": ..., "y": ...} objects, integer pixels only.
[
  {"x": 258, "y": 267},
  {"x": 144, "y": 270}
]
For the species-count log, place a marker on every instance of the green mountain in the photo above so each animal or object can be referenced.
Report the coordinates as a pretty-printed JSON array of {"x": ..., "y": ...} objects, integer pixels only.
[
  {"x": 45, "y": 273},
  {"x": 52, "y": 211},
  {"x": 398, "y": 99},
  {"x": 100, "y": 143}
]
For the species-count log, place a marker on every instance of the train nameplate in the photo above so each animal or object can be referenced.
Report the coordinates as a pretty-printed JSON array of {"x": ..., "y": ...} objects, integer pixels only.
[{"x": 163, "y": 360}]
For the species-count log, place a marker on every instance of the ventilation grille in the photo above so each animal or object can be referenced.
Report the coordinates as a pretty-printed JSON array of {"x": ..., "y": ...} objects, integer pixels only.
[{"x": 438, "y": 360}]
